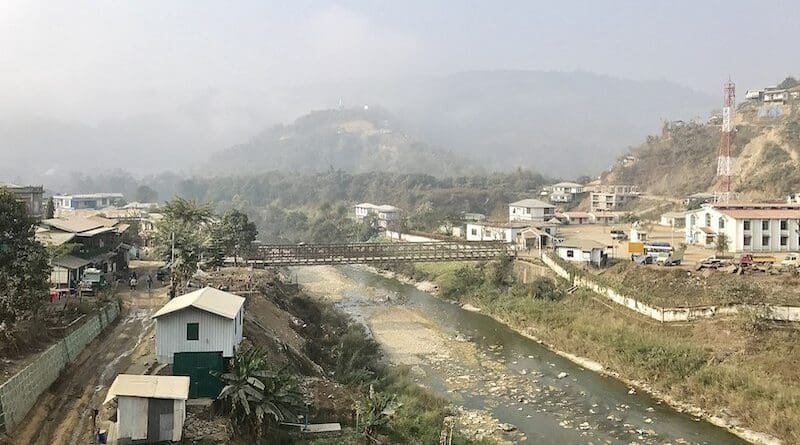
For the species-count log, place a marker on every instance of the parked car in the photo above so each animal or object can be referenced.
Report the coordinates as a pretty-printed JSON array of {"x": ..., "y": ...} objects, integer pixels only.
[
  {"x": 618, "y": 235},
  {"x": 791, "y": 260}
]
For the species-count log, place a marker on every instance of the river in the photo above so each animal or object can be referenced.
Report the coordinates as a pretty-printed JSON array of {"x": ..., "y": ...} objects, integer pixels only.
[{"x": 483, "y": 366}]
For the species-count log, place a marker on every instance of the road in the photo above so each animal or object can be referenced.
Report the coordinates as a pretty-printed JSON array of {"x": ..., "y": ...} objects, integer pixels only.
[{"x": 62, "y": 415}]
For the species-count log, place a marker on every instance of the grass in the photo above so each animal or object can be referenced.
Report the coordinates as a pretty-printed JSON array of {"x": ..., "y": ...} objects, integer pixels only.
[{"x": 750, "y": 369}]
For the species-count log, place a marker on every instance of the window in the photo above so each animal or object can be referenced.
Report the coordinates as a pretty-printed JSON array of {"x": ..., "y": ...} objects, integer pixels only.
[
  {"x": 192, "y": 331},
  {"x": 722, "y": 223},
  {"x": 474, "y": 231},
  {"x": 708, "y": 220},
  {"x": 570, "y": 253},
  {"x": 693, "y": 221},
  {"x": 548, "y": 211},
  {"x": 765, "y": 240},
  {"x": 784, "y": 224},
  {"x": 765, "y": 224},
  {"x": 748, "y": 240},
  {"x": 747, "y": 225},
  {"x": 784, "y": 241}
]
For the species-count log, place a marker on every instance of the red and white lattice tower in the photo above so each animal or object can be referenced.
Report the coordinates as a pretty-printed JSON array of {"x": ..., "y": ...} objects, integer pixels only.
[{"x": 724, "y": 160}]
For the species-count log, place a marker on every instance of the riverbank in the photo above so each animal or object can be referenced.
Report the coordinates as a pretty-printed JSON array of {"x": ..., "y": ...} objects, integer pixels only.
[{"x": 701, "y": 369}]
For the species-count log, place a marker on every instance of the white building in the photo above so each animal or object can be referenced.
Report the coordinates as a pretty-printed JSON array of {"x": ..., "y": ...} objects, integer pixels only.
[
  {"x": 583, "y": 251},
  {"x": 612, "y": 197},
  {"x": 754, "y": 227},
  {"x": 565, "y": 191},
  {"x": 673, "y": 219},
  {"x": 486, "y": 231},
  {"x": 604, "y": 217},
  {"x": 86, "y": 201},
  {"x": 385, "y": 214},
  {"x": 150, "y": 408},
  {"x": 206, "y": 320},
  {"x": 530, "y": 210},
  {"x": 576, "y": 218}
]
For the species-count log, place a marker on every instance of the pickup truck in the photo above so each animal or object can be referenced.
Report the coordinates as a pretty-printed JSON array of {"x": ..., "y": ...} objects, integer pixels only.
[
  {"x": 791, "y": 260},
  {"x": 618, "y": 235}
]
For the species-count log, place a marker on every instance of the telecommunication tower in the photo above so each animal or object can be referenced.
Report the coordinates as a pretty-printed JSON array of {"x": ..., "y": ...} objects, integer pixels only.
[{"x": 724, "y": 160}]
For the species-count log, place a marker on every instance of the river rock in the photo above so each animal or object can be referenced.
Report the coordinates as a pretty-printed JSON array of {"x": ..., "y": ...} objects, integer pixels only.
[
  {"x": 562, "y": 374},
  {"x": 507, "y": 427}
]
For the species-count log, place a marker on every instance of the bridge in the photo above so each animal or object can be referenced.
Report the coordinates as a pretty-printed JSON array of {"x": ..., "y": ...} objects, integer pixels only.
[{"x": 366, "y": 253}]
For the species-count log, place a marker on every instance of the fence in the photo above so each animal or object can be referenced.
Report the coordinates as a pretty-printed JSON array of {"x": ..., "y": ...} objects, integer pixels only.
[
  {"x": 676, "y": 314},
  {"x": 20, "y": 392}
]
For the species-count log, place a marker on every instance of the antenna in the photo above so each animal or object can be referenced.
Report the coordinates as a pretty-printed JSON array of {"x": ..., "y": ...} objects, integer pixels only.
[{"x": 724, "y": 159}]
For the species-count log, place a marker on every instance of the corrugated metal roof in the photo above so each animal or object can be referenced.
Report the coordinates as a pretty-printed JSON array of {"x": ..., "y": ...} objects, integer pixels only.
[
  {"x": 149, "y": 386},
  {"x": 761, "y": 213},
  {"x": 583, "y": 244},
  {"x": 93, "y": 232},
  {"x": 531, "y": 203},
  {"x": 70, "y": 262},
  {"x": 73, "y": 224},
  {"x": 54, "y": 238},
  {"x": 208, "y": 299}
]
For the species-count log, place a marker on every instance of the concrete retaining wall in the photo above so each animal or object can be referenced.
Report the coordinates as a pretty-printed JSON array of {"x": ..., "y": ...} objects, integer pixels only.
[
  {"x": 20, "y": 392},
  {"x": 675, "y": 314},
  {"x": 527, "y": 272}
]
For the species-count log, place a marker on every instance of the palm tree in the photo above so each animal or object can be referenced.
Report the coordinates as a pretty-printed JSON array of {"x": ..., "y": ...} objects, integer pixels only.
[{"x": 255, "y": 396}]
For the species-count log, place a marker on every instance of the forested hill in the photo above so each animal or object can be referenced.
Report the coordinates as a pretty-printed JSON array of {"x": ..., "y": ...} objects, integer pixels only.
[{"x": 353, "y": 140}]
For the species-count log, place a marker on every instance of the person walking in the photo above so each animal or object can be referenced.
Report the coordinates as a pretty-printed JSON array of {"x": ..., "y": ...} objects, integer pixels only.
[
  {"x": 149, "y": 282},
  {"x": 133, "y": 283}
]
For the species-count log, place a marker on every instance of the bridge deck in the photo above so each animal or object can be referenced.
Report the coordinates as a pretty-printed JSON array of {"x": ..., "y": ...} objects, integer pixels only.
[{"x": 364, "y": 253}]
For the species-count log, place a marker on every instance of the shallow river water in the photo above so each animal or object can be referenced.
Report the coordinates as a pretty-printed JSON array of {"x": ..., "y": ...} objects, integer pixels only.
[{"x": 549, "y": 399}]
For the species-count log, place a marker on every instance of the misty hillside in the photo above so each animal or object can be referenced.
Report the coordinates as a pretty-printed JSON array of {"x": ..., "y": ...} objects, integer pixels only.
[
  {"x": 562, "y": 123},
  {"x": 355, "y": 140},
  {"x": 683, "y": 158}
]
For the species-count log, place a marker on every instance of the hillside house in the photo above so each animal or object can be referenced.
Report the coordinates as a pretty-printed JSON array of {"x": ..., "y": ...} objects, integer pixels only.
[
  {"x": 612, "y": 197},
  {"x": 775, "y": 95},
  {"x": 98, "y": 244},
  {"x": 498, "y": 231},
  {"x": 576, "y": 218},
  {"x": 748, "y": 227},
  {"x": 207, "y": 320},
  {"x": 531, "y": 210},
  {"x": 150, "y": 408},
  {"x": 31, "y": 195},
  {"x": 384, "y": 214},
  {"x": 673, "y": 219},
  {"x": 86, "y": 201},
  {"x": 604, "y": 217},
  {"x": 583, "y": 251},
  {"x": 565, "y": 191}
]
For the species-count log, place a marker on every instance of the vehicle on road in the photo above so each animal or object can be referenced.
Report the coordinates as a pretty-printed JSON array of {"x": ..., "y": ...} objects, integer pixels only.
[
  {"x": 751, "y": 259},
  {"x": 618, "y": 235},
  {"x": 791, "y": 260}
]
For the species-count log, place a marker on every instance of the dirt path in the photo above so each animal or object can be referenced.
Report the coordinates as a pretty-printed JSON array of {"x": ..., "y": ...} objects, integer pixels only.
[{"x": 62, "y": 415}]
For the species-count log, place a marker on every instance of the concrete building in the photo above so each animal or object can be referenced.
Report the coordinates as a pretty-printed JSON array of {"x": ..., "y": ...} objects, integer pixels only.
[
  {"x": 384, "y": 214},
  {"x": 612, "y": 197},
  {"x": 673, "y": 219},
  {"x": 31, "y": 195},
  {"x": 748, "y": 227},
  {"x": 207, "y": 320},
  {"x": 575, "y": 218},
  {"x": 531, "y": 210},
  {"x": 497, "y": 231},
  {"x": 150, "y": 408},
  {"x": 583, "y": 251},
  {"x": 604, "y": 217},
  {"x": 86, "y": 201},
  {"x": 565, "y": 191}
]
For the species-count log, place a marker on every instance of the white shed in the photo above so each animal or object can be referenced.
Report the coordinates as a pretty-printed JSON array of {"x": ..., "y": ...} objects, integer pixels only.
[
  {"x": 583, "y": 251},
  {"x": 206, "y": 320},
  {"x": 150, "y": 408}
]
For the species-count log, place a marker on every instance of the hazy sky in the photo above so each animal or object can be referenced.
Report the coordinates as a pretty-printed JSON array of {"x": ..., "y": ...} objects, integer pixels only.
[{"x": 69, "y": 48}]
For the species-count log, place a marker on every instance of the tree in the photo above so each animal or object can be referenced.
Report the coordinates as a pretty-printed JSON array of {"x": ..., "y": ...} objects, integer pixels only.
[
  {"x": 146, "y": 194},
  {"x": 722, "y": 243},
  {"x": 376, "y": 411},
  {"x": 50, "y": 210},
  {"x": 238, "y": 232},
  {"x": 254, "y": 396},
  {"x": 24, "y": 268},
  {"x": 789, "y": 82},
  {"x": 184, "y": 230}
]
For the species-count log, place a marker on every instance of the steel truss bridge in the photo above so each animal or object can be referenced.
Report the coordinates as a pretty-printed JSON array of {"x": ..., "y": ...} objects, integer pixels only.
[{"x": 367, "y": 253}]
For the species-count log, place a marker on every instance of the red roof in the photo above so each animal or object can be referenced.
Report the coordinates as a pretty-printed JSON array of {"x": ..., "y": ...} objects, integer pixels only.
[
  {"x": 576, "y": 214},
  {"x": 762, "y": 213}
]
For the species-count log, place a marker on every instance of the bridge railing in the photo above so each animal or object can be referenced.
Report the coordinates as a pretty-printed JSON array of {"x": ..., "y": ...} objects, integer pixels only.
[{"x": 343, "y": 253}]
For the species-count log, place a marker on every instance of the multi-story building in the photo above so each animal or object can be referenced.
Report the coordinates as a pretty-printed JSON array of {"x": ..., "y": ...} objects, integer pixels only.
[
  {"x": 31, "y": 195},
  {"x": 612, "y": 197},
  {"x": 531, "y": 210},
  {"x": 86, "y": 201},
  {"x": 565, "y": 191},
  {"x": 384, "y": 214},
  {"x": 748, "y": 227}
]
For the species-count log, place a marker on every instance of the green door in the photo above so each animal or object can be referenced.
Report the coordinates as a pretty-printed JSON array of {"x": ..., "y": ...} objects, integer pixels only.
[{"x": 198, "y": 366}]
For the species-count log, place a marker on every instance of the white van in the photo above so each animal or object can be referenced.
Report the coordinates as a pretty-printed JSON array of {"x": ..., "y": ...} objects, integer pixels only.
[{"x": 791, "y": 259}]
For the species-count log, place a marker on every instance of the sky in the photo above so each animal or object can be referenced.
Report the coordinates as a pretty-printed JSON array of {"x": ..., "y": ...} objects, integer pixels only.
[{"x": 82, "y": 58}]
